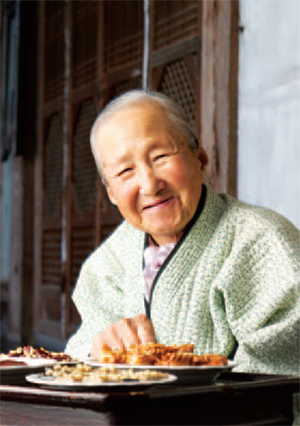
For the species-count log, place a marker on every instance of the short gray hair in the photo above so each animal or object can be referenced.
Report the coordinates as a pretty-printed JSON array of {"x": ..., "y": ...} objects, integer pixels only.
[{"x": 173, "y": 111}]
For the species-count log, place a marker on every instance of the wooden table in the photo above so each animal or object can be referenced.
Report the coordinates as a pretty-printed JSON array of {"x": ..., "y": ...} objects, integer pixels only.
[{"x": 234, "y": 399}]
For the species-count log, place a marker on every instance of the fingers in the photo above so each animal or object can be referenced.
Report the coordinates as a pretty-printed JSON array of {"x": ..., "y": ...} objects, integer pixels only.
[
  {"x": 109, "y": 338},
  {"x": 145, "y": 330},
  {"x": 128, "y": 331}
]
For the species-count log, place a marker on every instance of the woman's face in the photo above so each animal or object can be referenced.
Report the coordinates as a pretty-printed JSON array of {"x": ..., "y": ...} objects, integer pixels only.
[{"x": 154, "y": 179}]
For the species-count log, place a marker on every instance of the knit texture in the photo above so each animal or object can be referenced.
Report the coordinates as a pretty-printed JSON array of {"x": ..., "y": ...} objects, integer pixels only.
[{"x": 231, "y": 287}]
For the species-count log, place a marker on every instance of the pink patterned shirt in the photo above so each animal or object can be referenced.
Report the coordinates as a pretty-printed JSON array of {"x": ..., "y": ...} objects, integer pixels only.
[{"x": 154, "y": 256}]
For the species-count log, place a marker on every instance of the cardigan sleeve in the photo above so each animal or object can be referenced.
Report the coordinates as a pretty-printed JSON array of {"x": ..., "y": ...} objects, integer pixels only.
[
  {"x": 270, "y": 343},
  {"x": 262, "y": 302},
  {"x": 98, "y": 297}
]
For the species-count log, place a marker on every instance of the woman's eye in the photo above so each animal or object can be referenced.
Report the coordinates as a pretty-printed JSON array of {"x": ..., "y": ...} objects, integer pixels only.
[
  {"x": 124, "y": 171},
  {"x": 159, "y": 157}
]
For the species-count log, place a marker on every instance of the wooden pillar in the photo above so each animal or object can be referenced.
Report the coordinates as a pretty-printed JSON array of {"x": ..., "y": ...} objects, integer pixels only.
[
  {"x": 16, "y": 270},
  {"x": 21, "y": 276},
  {"x": 27, "y": 136},
  {"x": 218, "y": 91},
  {"x": 66, "y": 201}
]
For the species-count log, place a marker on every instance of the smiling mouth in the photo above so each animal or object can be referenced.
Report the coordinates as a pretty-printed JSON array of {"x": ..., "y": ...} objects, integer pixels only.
[{"x": 157, "y": 204}]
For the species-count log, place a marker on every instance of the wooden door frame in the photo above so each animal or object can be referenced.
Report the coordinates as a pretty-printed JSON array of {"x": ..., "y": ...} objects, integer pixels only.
[{"x": 219, "y": 92}]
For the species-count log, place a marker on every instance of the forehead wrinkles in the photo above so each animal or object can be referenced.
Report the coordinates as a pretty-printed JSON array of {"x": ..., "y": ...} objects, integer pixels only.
[
  {"x": 139, "y": 147},
  {"x": 134, "y": 125}
]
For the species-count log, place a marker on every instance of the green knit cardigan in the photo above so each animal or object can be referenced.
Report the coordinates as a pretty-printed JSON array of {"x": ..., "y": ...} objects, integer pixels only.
[{"x": 230, "y": 286}]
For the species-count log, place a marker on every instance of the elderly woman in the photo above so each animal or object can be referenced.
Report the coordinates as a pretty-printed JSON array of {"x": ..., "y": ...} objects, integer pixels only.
[{"x": 187, "y": 265}]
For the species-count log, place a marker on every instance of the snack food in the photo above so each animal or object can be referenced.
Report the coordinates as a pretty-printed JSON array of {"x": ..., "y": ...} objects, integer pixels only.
[
  {"x": 160, "y": 355},
  {"x": 38, "y": 352},
  {"x": 85, "y": 373}
]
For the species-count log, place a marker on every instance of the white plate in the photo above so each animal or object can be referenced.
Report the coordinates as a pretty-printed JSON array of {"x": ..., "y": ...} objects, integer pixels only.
[
  {"x": 15, "y": 374},
  {"x": 31, "y": 362},
  {"x": 186, "y": 374},
  {"x": 51, "y": 383}
]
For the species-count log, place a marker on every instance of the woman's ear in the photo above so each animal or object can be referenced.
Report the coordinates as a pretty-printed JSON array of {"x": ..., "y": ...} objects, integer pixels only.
[
  {"x": 203, "y": 158},
  {"x": 108, "y": 190},
  {"x": 110, "y": 194}
]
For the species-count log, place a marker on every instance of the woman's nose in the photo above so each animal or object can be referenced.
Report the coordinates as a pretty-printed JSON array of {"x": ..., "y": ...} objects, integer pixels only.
[{"x": 149, "y": 182}]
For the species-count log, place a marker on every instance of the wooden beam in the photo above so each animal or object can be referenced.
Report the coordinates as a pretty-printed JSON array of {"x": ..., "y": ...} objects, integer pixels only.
[
  {"x": 16, "y": 271},
  {"x": 38, "y": 167},
  {"x": 21, "y": 277},
  {"x": 28, "y": 136},
  {"x": 175, "y": 51},
  {"x": 65, "y": 289},
  {"x": 218, "y": 92}
]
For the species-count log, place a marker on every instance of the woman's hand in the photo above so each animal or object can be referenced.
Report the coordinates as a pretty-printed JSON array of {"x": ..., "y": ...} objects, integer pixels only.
[{"x": 128, "y": 331}]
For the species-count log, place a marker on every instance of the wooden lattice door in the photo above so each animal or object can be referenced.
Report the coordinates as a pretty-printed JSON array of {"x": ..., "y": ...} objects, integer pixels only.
[
  {"x": 176, "y": 55},
  {"x": 49, "y": 185},
  {"x": 90, "y": 52},
  {"x": 51, "y": 235},
  {"x": 106, "y": 52},
  {"x": 75, "y": 213}
]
